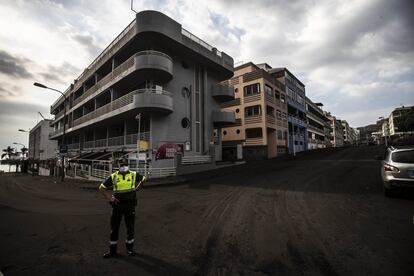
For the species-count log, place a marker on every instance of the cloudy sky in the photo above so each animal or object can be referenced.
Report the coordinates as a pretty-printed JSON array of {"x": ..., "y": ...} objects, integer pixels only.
[{"x": 354, "y": 56}]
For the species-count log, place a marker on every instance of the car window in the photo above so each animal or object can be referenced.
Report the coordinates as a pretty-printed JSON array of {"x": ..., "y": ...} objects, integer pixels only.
[{"x": 403, "y": 156}]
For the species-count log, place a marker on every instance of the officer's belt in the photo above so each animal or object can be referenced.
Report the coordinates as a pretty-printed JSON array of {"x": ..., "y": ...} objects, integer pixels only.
[{"x": 123, "y": 191}]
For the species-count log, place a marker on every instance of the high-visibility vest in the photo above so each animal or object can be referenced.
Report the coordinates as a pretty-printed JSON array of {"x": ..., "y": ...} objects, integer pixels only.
[{"x": 123, "y": 183}]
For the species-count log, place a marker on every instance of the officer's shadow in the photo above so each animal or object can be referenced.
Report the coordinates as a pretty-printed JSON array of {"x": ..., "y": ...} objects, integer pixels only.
[{"x": 155, "y": 266}]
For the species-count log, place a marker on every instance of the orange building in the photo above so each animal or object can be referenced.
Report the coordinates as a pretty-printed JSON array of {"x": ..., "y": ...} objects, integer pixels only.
[{"x": 261, "y": 127}]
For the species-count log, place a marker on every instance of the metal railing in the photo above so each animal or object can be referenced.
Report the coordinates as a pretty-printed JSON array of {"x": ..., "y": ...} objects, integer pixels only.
[
  {"x": 150, "y": 91},
  {"x": 116, "y": 141},
  {"x": 117, "y": 71},
  {"x": 133, "y": 138},
  {"x": 118, "y": 103},
  {"x": 200, "y": 42},
  {"x": 73, "y": 146},
  {"x": 196, "y": 159},
  {"x": 98, "y": 58},
  {"x": 100, "y": 143},
  {"x": 152, "y": 52}
]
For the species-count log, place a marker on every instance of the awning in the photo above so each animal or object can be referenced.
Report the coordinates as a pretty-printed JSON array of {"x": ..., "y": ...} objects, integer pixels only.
[{"x": 89, "y": 157}]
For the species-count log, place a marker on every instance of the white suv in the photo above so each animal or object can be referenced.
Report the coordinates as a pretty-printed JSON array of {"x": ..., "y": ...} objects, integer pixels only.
[{"x": 397, "y": 169}]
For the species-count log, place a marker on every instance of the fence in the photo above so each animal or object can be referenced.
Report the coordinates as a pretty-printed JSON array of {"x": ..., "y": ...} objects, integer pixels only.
[{"x": 196, "y": 159}]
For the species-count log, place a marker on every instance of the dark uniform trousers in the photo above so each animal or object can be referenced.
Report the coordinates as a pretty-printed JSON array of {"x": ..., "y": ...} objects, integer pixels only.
[{"x": 124, "y": 208}]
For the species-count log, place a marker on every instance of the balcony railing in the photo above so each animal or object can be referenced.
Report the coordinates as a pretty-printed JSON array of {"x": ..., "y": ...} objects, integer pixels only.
[
  {"x": 200, "y": 42},
  {"x": 118, "y": 103},
  {"x": 253, "y": 119},
  {"x": 117, "y": 71},
  {"x": 130, "y": 139},
  {"x": 253, "y": 141},
  {"x": 73, "y": 146},
  {"x": 98, "y": 59}
]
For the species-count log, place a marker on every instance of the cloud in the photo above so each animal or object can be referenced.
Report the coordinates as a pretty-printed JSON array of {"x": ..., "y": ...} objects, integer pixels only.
[
  {"x": 20, "y": 109},
  {"x": 87, "y": 41},
  {"x": 222, "y": 23},
  {"x": 7, "y": 91},
  {"x": 14, "y": 66},
  {"x": 63, "y": 73}
]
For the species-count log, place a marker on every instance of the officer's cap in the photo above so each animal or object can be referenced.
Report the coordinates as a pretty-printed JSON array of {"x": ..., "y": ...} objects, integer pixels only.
[{"x": 123, "y": 162}]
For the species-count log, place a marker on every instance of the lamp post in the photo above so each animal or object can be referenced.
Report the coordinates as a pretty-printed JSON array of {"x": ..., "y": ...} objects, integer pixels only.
[
  {"x": 63, "y": 145},
  {"x": 138, "y": 118}
]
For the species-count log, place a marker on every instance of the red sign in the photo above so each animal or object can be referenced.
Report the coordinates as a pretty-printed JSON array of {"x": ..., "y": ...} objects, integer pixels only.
[{"x": 168, "y": 151}]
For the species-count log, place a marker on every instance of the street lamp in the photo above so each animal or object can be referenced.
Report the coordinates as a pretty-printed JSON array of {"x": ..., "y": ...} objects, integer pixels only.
[
  {"x": 63, "y": 146},
  {"x": 138, "y": 118}
]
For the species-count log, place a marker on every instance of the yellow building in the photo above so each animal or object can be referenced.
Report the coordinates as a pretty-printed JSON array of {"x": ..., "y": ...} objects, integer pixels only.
[{"x": 261, "y": 115}]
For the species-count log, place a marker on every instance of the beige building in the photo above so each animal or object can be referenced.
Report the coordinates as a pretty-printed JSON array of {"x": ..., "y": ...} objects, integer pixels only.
[
  {"x": 398, "y": 112},
  {"x": 337, "y": 135},
  {"x": 261, "y": 127}
]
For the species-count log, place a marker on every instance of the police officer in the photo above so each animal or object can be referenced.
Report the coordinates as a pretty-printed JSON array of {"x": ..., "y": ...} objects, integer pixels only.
[{"x": 123, "y": 185}]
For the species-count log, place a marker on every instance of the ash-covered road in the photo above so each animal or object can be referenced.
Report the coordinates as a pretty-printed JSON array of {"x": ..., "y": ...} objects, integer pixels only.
[{"x": 320, "y": 214}]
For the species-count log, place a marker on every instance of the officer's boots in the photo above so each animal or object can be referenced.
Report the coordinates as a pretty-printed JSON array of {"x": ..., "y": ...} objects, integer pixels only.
[
  {"x": 130, "y": 248},
  {"x": 111, "y": 253}
]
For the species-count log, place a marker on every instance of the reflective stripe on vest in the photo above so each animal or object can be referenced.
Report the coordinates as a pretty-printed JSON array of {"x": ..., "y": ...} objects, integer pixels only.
[{"x": 123, "y": 184}]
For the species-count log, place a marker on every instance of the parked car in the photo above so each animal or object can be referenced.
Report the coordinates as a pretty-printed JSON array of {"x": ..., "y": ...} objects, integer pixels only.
[{"x": 397, "y": 169}]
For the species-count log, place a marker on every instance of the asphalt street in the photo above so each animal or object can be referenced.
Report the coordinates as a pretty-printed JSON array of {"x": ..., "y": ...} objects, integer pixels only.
[{"x": 321, "y": 213}]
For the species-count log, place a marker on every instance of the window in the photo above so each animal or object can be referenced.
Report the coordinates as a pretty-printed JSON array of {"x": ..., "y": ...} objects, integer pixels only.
[
  {"x": 268, "y": 90},
  {"x": 252, "y": 89},
  {"x": 279, "y": 135},
  {"x": 282, "y": 98},
  {"x": 300, "y": 99},
  {"x": 284, "y": 116},
  {"x": 291, "y": 94},
  {"x": 238, "y": 131},
  {"x": 255, "y": 110},
  {"x": 277, "y": 95},
  {"x": 224, "y": 132},
  {"x": 278, "y": 114},
  {"x": 254, "y": 132},
  {"x": 270, "y": 111}
]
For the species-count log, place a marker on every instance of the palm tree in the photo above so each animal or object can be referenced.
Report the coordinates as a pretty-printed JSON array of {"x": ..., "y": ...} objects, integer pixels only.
[{"x": 9, "y": 151}]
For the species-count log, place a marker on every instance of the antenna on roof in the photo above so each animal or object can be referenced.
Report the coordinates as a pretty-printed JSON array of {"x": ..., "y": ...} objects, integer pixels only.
[
  {"x": 132, "y": 6},
  {"x": 41, "y": 115}
]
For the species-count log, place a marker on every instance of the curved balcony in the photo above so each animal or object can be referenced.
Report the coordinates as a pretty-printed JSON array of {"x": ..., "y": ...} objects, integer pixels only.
[
  {"x": 152, "y": 100},
  {"x": 222, "y": 92},
  {"x": 154, "y": 65},
  {"x": 223, "y": 118}
]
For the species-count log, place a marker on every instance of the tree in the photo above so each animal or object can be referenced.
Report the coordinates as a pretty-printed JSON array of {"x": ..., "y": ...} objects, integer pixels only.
[{"x": 9, "y": 151}]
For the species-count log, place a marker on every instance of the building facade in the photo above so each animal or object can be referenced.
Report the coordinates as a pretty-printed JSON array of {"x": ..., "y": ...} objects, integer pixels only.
[
  {"x": 42, "y": 151},
  {"x": 155, "y": 87},
  {"x": 347, "y": 133},
  {"x": 337, "y": 134},
  {"x": 319, "y": 128},
  {"x": 396, "y": 113},
  {"x": 261, "y": 115},
  {"x": 296, "y": 103}
]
